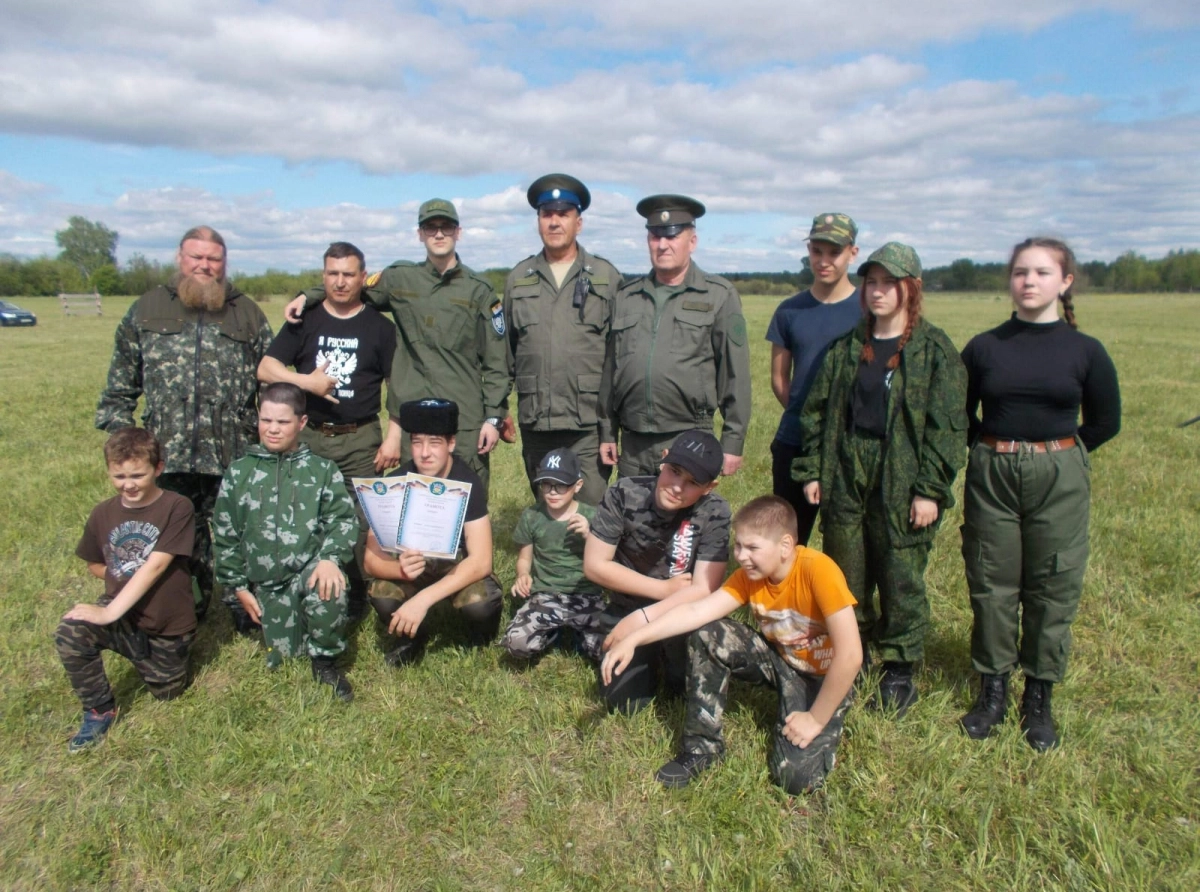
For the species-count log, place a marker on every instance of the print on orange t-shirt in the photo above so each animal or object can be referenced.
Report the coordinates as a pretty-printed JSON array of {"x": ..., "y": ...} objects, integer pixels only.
[{"x": 794, "y": 611}]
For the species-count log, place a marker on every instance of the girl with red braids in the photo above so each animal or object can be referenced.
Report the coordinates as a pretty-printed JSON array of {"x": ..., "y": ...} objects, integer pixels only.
[
  {"x": 885, "y": 433},
  {"x": 1028, "y": 487}
]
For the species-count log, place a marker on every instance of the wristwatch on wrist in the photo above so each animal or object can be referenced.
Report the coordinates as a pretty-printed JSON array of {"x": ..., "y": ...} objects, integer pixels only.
[{"x": 494, "y": 421}]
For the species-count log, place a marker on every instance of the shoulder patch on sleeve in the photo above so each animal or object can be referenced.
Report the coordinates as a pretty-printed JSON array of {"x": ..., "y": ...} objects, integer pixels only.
[
  {"x": 373, "y": 279},
  {"x": 737, "y": 329},
  {"x": 498, "y": 318}
]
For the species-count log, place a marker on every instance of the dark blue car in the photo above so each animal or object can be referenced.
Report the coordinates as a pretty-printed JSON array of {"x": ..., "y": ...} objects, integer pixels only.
[{"x": 11, "y": 314}]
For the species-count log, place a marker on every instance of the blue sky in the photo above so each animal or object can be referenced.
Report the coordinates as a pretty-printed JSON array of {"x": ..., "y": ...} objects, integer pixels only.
[{"x": 955, "y": 127}]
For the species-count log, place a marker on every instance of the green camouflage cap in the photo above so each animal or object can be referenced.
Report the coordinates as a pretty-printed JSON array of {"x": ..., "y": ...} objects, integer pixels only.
[
  {"x": 899, "y": 260},
  {"x": 437, "y": 207},
  {"x": 836, "y": 228}
]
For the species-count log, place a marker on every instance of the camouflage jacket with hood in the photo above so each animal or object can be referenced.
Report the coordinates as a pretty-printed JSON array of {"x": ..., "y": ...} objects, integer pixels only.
[
  {"x": 276, "y": 512},
  {"x": 198, "y": 372}
]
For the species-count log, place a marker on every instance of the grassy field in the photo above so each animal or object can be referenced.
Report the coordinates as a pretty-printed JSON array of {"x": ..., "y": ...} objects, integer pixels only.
[{"x": 463, "y": 774}]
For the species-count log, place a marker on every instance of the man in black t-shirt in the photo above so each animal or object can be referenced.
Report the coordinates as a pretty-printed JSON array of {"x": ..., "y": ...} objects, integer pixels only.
[
  {"x": 408, "y": 584},
  {"x": 342, "y": 351}
]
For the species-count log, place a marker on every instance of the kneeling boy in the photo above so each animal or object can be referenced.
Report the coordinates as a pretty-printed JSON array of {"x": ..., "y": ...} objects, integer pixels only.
[
  {"x": 139, "y": 542},
  {"x": 283, "y": 527},
  {"x": 808, "y": 649},
  {"x": 550, "y": 536},
  {"x": 653, "y": 537},
  {"x": 407, "y": 585}
]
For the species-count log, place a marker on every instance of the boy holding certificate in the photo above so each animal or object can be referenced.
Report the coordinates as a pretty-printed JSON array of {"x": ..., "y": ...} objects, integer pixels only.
[
  {"x": 407, "y": 584},
  {"x": 283, "y": 528}
]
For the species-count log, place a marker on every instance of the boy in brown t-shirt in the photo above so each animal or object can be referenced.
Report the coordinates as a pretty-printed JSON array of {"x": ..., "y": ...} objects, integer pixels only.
[{"x": 139, "y": 543}]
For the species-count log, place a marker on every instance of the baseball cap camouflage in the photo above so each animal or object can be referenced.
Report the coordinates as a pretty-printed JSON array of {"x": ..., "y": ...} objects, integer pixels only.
[
  {"x": 437, "y": 207},
  {"x": 836, "y": 228},
  {"x": 899, "y": 260},
  {"x": 699, "y": 453}
]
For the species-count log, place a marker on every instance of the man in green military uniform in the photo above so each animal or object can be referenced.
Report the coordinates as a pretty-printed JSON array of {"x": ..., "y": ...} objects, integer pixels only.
[
  {"x": 676, "y": 351},
  {"x": 192, "y": 349},
  {"x": 452, "y": 335},
  {"x": 557, "y": 305}
]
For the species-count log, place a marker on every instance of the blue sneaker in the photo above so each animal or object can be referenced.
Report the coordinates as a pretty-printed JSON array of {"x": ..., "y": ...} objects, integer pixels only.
[{"x": 91, "y": 732}]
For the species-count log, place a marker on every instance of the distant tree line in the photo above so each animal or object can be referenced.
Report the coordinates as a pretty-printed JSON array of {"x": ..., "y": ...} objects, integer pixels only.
[{"x": 88, "y": 262}]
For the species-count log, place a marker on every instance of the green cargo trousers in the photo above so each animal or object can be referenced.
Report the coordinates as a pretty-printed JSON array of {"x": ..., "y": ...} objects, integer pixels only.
[
  {"x": 861, "y": 548},
  {"x": 641, "y": 454},
  {"x": 1025, "y": 545}
]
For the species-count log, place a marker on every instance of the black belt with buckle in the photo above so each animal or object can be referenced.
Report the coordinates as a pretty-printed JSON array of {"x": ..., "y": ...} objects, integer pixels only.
[{"x": 329, "y": 429}]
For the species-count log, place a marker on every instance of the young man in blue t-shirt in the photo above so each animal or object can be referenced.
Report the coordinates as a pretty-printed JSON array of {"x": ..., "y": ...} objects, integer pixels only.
[{"x": 800, "y": 332}]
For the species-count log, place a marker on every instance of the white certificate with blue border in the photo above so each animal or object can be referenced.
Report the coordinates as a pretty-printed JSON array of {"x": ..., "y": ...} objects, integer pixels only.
[
  {"x": 382, "y": 500},
  {"x": 432, "y": 514}
]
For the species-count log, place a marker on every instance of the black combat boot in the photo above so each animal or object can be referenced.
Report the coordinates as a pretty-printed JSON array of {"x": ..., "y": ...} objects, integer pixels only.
[
  {"x": 989, "y": 708},
  {"x": 407, "y": 651},
  {"x": 897, "y": 691},
  {"x": 1035, "y": 715},
  {"x": 325, "y": 671}
]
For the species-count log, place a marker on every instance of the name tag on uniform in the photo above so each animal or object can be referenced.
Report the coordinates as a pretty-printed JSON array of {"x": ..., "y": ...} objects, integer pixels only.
[{"x": 697, "y": 305}]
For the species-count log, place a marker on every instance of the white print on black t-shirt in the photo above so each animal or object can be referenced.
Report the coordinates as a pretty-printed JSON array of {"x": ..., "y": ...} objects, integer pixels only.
[
  {"x": 129, "y": 545},
  {"x": 342, "y": 362},
  {"x": 683, "y": 543}
]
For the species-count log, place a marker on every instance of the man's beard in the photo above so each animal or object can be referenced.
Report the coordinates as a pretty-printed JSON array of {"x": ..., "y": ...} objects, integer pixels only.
[{"x": 201, "y": 294}]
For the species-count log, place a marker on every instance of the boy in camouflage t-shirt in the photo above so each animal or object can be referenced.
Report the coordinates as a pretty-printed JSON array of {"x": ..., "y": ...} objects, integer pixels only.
[
  {"x": 550, "y": 536},
  {"x": 283, "y": 528}
]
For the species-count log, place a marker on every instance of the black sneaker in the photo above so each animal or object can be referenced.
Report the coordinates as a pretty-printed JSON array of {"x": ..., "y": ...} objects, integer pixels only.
[
  {"x": 897, "y": 691},
  {"x": 406, "y": 651},
  {"x": 325, "y": 671},
  {"x": 680, "y": 771},
  {"x": 989, "y": 708},
  {"x": 1036, "y": 719}
]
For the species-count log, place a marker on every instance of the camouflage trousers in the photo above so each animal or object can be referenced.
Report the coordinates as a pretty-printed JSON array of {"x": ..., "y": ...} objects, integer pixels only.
[
  {"x": 480, "y": 602},
  {"x": 295, "y": 621},
  {"x": 161, "y": 660},
  {"x": 201, "y": 491},
  {"x": 729, "y": 649},
  {"x": 873, "y": 566},
  {"x": 539, "y": 620}
]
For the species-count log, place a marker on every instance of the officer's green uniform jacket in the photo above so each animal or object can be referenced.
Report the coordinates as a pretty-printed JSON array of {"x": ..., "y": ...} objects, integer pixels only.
[
  {"x": 670, "y": 368},
  {"x": 199, "y": 373},
  {"x": 451, "y": 342},
  {"x": 276, "y": 512},
  {"x": 926, "y": 442},
  {"x": 557, "y": 349}
]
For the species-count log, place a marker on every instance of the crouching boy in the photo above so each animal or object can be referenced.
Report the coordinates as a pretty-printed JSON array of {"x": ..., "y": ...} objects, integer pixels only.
[
  {"x": 550, "y": 536},
  {"x": 283, "y": 527},
  {"x": 139, "y": 543},
  {"x": 655, "y": 538},
  {"x": 808, "y": 649},
  {"x": 407, "y": 585}
]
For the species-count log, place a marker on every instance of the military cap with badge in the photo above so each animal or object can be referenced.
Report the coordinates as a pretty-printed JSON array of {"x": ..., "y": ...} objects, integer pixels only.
[
  {"x": 668, "y": 215},
  {"x": 558, "y": 192}
]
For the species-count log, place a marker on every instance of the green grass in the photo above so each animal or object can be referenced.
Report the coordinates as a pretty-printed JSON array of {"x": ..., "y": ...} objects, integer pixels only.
[{"x": 463, "y": 774}]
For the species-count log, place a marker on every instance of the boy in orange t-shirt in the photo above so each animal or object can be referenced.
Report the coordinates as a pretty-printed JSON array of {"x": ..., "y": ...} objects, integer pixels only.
[{"x": 808, "y": 649}]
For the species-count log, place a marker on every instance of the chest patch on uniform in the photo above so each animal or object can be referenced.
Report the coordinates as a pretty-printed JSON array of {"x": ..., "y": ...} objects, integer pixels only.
[
  {"x": 697, "y": 305},
  {"x": 498, "y": 318}
]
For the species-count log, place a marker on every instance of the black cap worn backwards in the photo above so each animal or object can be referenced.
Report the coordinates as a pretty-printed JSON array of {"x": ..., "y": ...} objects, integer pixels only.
[
  {"x": 699, "y": 453},
  {"x": 668, "y": 215},
  {"x": 436, "y": 417},
  {"x": 558, "y": 192},
  {"x": 560, "y": 466}
]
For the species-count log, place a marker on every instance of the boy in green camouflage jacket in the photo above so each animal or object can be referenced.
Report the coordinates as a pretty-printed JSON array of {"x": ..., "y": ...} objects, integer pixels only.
[{"x": 283, "y": 528}]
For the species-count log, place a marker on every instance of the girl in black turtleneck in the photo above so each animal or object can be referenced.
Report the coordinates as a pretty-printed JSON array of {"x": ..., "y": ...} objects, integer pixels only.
[{"x": 1025, "y": 539}]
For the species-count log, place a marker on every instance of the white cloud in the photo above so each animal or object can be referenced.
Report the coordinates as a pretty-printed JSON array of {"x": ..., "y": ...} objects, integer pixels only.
[{"x": 962, "y": 168}]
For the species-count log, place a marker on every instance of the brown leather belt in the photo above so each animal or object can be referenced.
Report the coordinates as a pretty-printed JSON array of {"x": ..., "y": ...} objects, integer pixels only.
[
  {"x": 328, "y": 429},
  {"x": 1009, "y": 446}
]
